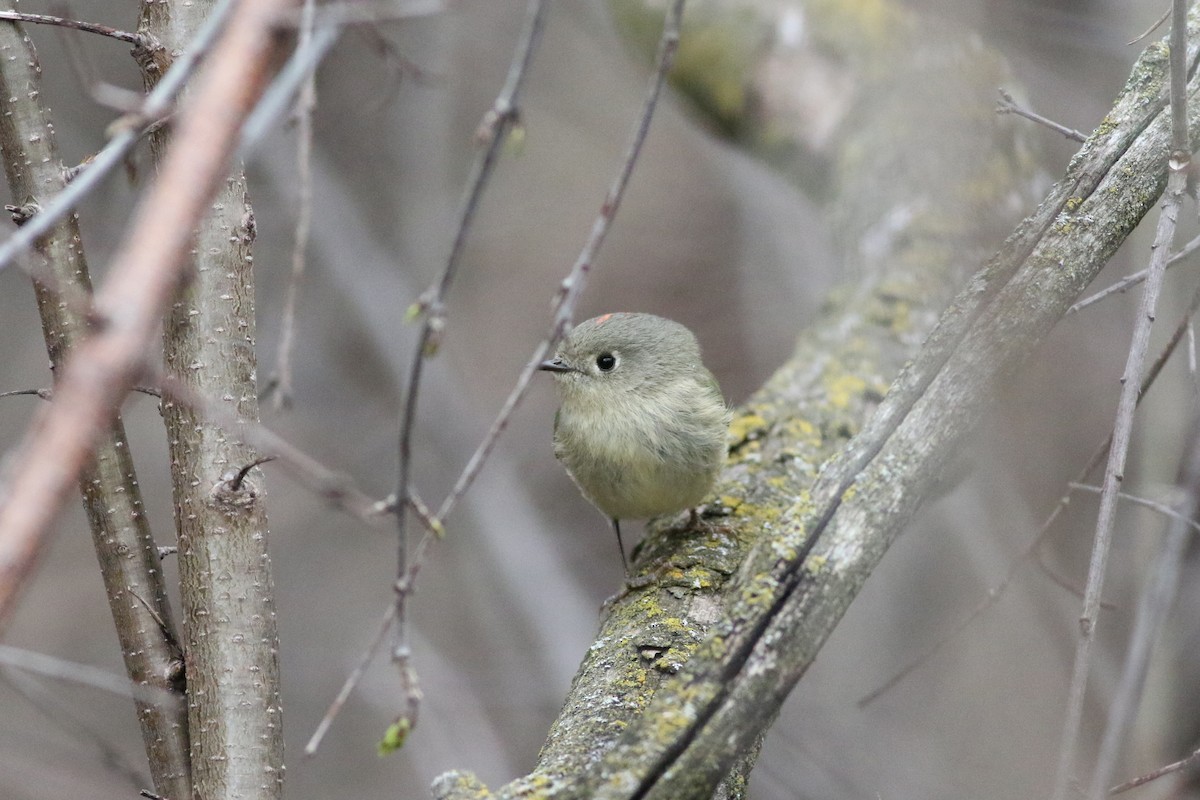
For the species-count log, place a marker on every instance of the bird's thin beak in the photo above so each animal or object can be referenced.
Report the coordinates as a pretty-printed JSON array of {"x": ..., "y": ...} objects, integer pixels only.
[{"x": 555, "y": 365}]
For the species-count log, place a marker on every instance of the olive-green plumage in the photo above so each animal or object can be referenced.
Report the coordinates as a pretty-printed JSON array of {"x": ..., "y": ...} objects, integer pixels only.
[{"x": 642, "y": 425}]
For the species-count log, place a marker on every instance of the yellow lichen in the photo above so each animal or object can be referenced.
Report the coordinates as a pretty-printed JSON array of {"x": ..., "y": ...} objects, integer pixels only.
[
  {"x": 844, "y": 388},
  {"x": 747, "y": 427}
]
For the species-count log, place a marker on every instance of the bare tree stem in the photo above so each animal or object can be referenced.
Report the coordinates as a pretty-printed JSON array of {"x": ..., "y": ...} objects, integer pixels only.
[{"x": 235, "y": 710}]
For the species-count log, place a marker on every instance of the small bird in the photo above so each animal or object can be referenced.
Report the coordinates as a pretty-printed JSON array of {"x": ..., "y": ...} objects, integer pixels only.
[{"x": 642, "y": 425}]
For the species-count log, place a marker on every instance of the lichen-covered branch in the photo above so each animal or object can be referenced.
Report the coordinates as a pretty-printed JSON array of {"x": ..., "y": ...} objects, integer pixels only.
[
  {"x": 129, "y": 562},
  {"x": 688, "y": 672},
  {"x": 226, "y": 586}
]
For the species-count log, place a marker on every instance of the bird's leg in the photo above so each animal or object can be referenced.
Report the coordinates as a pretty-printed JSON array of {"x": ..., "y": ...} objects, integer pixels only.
[{"x": 620, "y": 545}]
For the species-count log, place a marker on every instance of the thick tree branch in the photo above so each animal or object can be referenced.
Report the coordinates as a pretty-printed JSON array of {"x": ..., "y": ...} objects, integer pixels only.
[
  {"x": 687, "y": 674},
  {"x": 786, "y": 601}
]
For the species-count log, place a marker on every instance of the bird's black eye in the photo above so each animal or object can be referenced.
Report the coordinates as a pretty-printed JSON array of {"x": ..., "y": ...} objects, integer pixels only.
[{"x": 606, "y": 362}]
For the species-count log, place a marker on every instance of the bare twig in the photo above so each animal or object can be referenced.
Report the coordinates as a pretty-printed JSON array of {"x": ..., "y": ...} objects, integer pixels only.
[
  {"x": 305, "y": 105},
  {"x": 158, "y": 102},
  {"x": 1153, "y": 606},
  {"x": 1145, "y": 502},
  {"x": 1114, "y": 470},
  {"x": 314, "y": 741},
  {"x": 85, "y": 675},
  {"x": 44, "y": 394},
  {"x": 334, "y": 487},
  {"x": 1135, "y": 278},
  {"x": 48, "y": 394},
  {"x": 136, "y": 39},
  {"x": 401, "y": 66},
  {"x": 1166, "y": 15},
  {"x": 1007, "y": 105},
  {"x": 1194, "y": 758},
  {"x": 492, "y": 133}
]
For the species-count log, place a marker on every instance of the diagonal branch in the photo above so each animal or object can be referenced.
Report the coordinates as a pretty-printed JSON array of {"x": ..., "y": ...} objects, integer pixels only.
[{"x": 817, "y": 516}]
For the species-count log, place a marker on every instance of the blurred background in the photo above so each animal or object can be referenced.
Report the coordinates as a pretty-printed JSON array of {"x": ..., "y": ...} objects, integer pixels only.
[{"x": 508, "y": 603}]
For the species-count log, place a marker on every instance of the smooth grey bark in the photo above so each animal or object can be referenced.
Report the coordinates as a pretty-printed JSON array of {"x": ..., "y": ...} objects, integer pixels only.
[{"x": 129, "y": 561}]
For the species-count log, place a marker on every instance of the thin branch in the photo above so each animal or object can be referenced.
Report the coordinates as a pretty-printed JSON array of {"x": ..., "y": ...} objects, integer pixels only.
[
  {"x": 398, "y": 65},
  {"x": 306, "y": 105},
  {"x": 1153, "y": 607},
  {"x": 1144, "y": 502},
  {"x": 1114, "y": 470},
  {"x": 136, "y": 39},
  {"x": 61, "y": 669},
  {"x": 997, "y": 591},
  {"x": 158, "y": 102},
  {"x": 336, "y": 488},
  {"x": 44, "y": 394},
  {"x": 1194, "y": 758},
  {"x": 1135, "y": 278},
  {"x": 492, "y": 132},
  {"x": 1166, "y": 15},
  {"x": 352, "y": 680},
  {"x": 1007, "y": 105},
  {"x": 1058, "y": 580}
]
